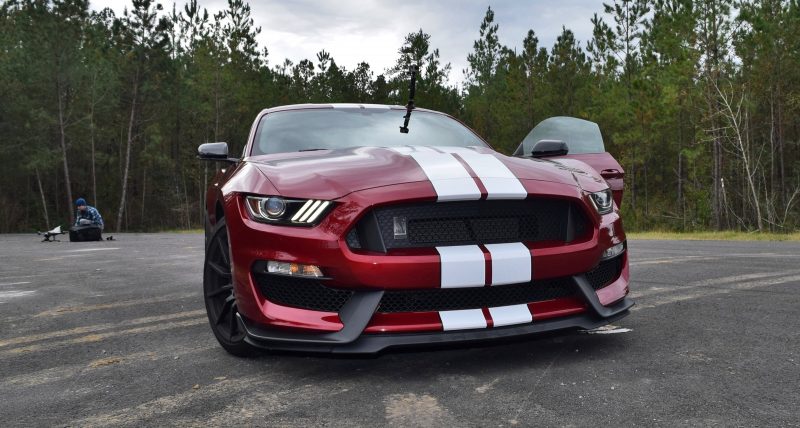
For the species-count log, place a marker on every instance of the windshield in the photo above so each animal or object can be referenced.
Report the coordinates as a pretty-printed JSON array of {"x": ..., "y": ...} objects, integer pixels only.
[
  {"x": 580, "y": 135},
  {"x": 337, "y": 128}
]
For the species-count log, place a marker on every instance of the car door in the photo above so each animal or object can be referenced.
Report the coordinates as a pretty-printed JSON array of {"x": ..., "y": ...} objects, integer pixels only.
[{"x": 585, "y": 143}]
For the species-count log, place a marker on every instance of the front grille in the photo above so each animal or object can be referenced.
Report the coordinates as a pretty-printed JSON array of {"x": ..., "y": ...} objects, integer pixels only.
[
  {"x": 605, "y": 273},
  {"x": 433, "y": 224},
  {"x": 447, "y": 299},
  {"x": 302, "y": 293}
]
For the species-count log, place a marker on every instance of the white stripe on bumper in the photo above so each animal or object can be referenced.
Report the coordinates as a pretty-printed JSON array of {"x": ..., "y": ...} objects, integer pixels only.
[
  {"x": 511, "y": 263},
  {"x": 462, "y": 266},
  {"x": 510, "y": 315},
  {"x": 462, "y": 320}
]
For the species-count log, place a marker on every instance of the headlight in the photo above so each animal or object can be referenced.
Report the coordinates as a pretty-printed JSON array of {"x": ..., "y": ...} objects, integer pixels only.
[
  {"x": 603, "y": 201},
  {"x": 293, "y": 269},
  {"x": 275, "y": 209}
]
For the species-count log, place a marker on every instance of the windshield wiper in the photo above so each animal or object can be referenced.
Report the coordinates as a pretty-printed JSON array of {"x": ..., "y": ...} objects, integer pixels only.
[
  {"x": 310, "y": 150},
  {"x": 412, "y": 89}
]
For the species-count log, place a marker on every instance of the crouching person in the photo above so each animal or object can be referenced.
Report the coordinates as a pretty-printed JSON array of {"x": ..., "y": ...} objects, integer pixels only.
[
  {"x": 87, "y": 215},
  {"x": 88, "y": 223}
]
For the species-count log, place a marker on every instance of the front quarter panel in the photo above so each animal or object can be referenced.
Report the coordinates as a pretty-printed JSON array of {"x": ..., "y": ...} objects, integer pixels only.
[
  {"x": 585, "y": 176},
  {"x": 248, "y": 179}
]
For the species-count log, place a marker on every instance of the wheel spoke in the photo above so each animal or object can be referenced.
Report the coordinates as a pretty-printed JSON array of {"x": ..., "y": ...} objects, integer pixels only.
[
  {"x": 220, "y": 270},
  {"x": 226, "y": 307},
  {"x": 234, "y": 327},
  {"x": 223, "y": 249},
  {"x": 227, "y": 288}
]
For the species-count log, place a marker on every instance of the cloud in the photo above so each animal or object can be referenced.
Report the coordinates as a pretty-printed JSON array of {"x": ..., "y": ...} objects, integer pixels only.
[{"x": 373, "y": 30}]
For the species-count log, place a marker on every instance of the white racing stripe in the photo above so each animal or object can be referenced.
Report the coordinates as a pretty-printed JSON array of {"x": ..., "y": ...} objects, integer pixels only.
[
  {"x": 449, "y": 178},
  {"x": 453, "y": 182},
  {"x": 462, "y": 266},
  {"x": 403, "y": 150},
  {"x": 510, "y": 315},
  {"x": 511, "y": 263},
  {"x": 499, "y": 181},
  {"x": 462, "y": 320}
]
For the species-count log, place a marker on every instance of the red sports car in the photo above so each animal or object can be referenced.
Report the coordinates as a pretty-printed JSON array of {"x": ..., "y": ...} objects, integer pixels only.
[{"x": 337, "y": 232}]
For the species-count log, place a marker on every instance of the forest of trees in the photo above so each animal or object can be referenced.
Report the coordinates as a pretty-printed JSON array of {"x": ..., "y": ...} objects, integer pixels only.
[{"x": 698, "y": 100}]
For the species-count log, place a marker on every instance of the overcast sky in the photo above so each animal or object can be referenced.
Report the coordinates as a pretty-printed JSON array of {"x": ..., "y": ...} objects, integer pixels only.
[{"x": 373, "y": 30}]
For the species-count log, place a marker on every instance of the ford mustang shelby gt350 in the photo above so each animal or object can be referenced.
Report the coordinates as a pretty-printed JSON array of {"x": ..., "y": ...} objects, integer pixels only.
[{"x": 334, "y": 232}]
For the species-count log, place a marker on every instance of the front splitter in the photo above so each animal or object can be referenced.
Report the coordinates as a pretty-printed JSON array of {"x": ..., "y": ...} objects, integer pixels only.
[{"x": 330, "y": 343}]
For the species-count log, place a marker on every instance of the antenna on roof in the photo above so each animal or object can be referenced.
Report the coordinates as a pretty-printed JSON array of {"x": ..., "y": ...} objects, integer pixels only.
[{"x": 412, "y": 89}]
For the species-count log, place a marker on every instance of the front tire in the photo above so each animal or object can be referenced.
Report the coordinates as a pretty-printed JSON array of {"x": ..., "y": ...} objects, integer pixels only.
[{"x": 219, "y": 296}]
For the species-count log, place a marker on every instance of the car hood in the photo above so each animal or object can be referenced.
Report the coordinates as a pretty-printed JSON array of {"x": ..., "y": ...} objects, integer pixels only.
[{"x": 331, "y": 174}]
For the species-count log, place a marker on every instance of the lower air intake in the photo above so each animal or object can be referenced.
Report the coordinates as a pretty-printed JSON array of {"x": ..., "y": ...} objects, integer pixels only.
[{"x": 313, "y": 294}]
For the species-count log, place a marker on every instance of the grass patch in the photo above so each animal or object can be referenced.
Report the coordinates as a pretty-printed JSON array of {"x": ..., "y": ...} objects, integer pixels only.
[
  {"x": 713, "y": 236},
  {"x": 182, "y": 231}
]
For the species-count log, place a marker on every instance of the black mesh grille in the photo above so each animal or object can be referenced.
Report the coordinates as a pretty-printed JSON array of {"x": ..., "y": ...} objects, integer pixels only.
[
  {"x": 352, "y": 239},
  {"x": 472, "y": 222},
  {"x": 312, "y": 294},
  {"x": 445, "y": 299},
  {"x": 605, "y": 273},
  {"x": 302, "y": 293}
]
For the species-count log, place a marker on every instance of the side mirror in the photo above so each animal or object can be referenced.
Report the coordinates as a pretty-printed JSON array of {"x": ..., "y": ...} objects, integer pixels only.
[
  {"x": 545, "y": 148},
  {"x": 215, "y": 152}
]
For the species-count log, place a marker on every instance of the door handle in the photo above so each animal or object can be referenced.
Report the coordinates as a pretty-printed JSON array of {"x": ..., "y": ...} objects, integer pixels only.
[{"x": 611, "y": 173}]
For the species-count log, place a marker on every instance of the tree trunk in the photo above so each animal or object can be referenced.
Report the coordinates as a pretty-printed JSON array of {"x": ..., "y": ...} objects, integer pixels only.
[
  {"x": 144, "y": 194},
  {"x": 63, "y": 140},
  {"x": 126, "y": 168},
  {"x": 716, "y": 176},
  {"x": 772, "y": 185},
  {"x": 781, "y": 162},
  {"x": 44, "y": 202},
  {"x": 742, "y": 147},
  {"x": 216, "y": 104},
  {"x": 91, "y": 140},
  {"x": 186, "y": 202},
  {"x": 680, "y": 163}
]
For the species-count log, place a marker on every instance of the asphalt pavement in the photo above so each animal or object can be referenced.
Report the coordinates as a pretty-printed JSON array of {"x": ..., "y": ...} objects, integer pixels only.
[{"x": 114, "y": 333}]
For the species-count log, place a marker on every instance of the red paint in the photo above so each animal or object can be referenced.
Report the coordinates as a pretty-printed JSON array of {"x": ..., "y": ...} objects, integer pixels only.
[
  {"x": 488, "y": 316},
  {"x": 607, "y": 167},
  {"x": 478, "y": 182},
  {"x": 617, "y": 289},
  {"x": 556, "y": 308},
  {"x": 404, "y": 322},
  {"x": 487, "y": 262}
]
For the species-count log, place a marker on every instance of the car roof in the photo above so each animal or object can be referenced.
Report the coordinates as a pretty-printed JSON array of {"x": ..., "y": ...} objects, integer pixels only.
[{"x": 341, "y": 106}]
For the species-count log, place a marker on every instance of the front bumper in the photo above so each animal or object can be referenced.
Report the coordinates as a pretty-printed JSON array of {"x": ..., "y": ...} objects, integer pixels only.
[{"x": 358, "y": 312}]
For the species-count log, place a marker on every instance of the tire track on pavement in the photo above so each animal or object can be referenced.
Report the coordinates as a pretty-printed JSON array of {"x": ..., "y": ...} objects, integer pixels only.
[
  {"x": 97, "y": 337},
  {"x": 59, "y": 373},
  {"x": 706, "y": 290},
  {"x": 96, "y": 328}
]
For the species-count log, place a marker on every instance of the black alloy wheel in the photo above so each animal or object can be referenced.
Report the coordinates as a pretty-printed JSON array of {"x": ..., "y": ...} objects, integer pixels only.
[{"x": 219, "y": 295}]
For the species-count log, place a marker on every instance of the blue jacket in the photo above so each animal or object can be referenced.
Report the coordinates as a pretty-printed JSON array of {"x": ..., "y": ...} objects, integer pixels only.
[{"x": 91, "y": 214}]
